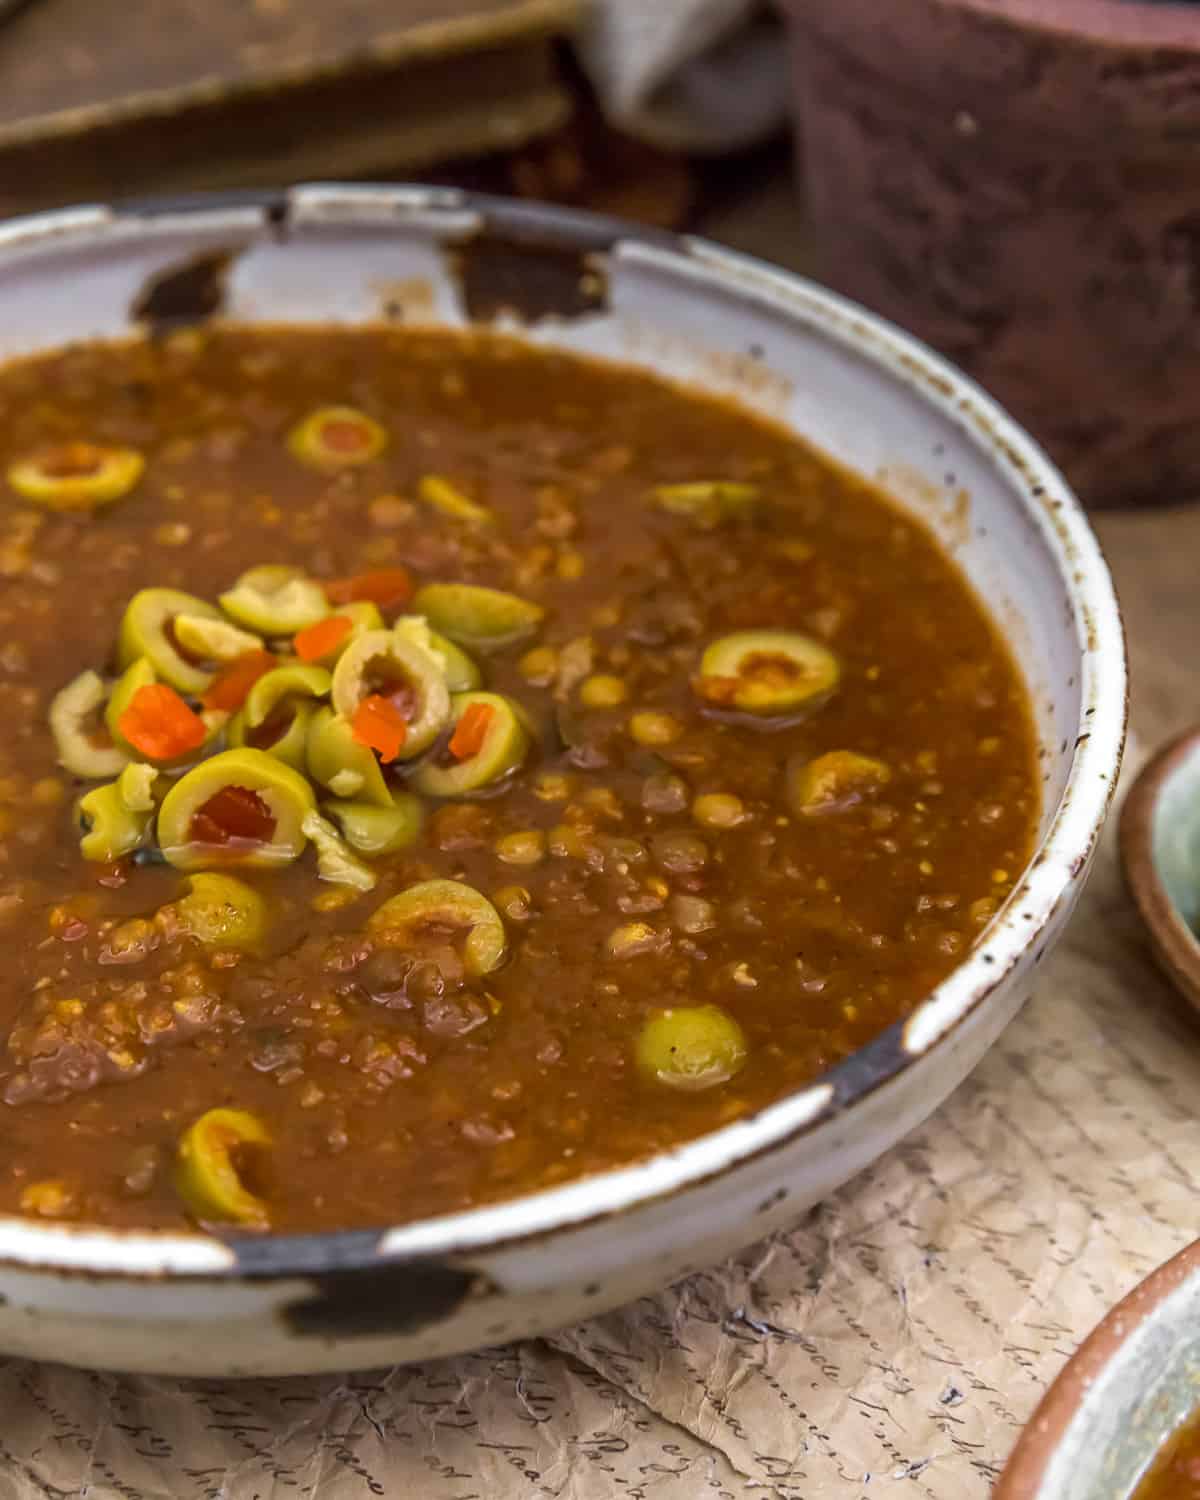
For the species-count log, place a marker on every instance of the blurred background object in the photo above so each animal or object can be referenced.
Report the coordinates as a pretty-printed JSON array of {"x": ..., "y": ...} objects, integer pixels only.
[
  {"x": 687, "y": 75},
  {"x": 227, "y": 94},
  {"x": 172, "y": 95},
  {"x": 1018, "y": 181}
]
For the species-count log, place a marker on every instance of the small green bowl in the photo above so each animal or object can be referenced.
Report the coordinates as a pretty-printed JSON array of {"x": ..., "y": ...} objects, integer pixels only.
[{"x": 1160, "y": 849}]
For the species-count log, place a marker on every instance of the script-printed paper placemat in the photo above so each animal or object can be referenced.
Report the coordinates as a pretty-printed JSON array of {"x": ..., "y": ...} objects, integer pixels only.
[{"x": 893, "y": 1343}]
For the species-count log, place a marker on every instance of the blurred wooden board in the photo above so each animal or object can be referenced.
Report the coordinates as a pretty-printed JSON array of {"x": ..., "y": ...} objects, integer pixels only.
[
  {"x": 168, "y": 95},
  {"x": 70, "y": 65}
]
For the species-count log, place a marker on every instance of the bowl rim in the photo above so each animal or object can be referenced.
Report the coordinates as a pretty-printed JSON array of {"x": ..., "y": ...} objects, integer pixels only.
[
  {"x": 1177, "y": 946},
  {"x": 1040, "y": 1438},
  {"x": 1046, "y": 883}
]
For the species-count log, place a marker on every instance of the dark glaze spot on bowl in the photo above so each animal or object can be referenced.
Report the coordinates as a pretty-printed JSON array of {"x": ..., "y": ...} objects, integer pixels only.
[{"x": 183, "y": 294}]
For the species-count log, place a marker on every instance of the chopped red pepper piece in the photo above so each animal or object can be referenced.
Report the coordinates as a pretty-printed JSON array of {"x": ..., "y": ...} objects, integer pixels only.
[
  {"x": 322, "y": 638},
  {"x": 387, "y": 587},
  {"x": 230, "y": 687},
  {"x": 159, "y": 724},
  {"x": 345, "y": 434},
  {"x": 234, "y": 814},
  {"x": 471, "y": 731},
  {"x": 73, "y": 461},
  {"x": 379, "y": 724}
]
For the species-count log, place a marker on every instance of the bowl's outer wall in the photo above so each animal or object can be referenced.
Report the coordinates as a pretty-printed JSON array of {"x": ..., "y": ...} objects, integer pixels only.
[{"x": 187, "y": 1304}]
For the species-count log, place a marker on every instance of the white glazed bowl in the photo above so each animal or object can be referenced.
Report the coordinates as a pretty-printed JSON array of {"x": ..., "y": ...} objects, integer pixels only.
[{"x": 859, "y": 390}]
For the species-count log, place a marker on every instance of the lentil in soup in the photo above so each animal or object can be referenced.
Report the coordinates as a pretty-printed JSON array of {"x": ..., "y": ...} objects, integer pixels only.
[{"x": 437, "y": 769}]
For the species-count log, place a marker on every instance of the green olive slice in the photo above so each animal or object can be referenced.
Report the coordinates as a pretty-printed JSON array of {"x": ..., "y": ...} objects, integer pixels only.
[
  {"x": 240, "y": 807},
  {"x": 707, "y": 502},
  {"x": 221, "y": 911},
  {"x": 111, "y": 828},
  {"x": 478, "y": 618},
  {"x": 335, "y": 862},
  {"x": 767, "y": 672},
  {"x": 335, "y": 759},
  {"x": 136, "y": 785},
  {"x": 374, "y": 831},
  {"x": 440, "y": 495},
  {"x": 460, "y": 672},
  {"x": 76, "y": 476},
  {"x": 206, "y": 638},
  {"x": 362, "y": 614},
  {"x": 210, "y": 1168},
  {"x": 81, "y": 737},
  {"x": 834, "y": 781},
  {"x": 336, "y": 437},
  {"x": 278, "y": 710},
  {"x": 504, "y": 746},
  {"x": 147, "y": 629},
  {"x": 274, "y": 688},
  {"x": 284, "y": 735},
  {"x": 396, "y": 667},
  {"x": 274, "y": 600},
  {"x": 435, "y": 909},
  {"x": 691, "y": 1047}
]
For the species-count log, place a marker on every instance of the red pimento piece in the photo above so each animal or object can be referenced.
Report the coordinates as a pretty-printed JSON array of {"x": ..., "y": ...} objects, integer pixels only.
[
  {"x": 72, "y": 461},
  {"x": 387, "y": 587},
  {"x": 471, "y": 731},
  {"x": 231, "y": 686},
  {"x": 379, "y": 724},
  {"x": 233, "y": 813},
  {"x": 322, "y": 638},
  {"x": 345, "y": 435},
  {"x": 159, "y": 724}
]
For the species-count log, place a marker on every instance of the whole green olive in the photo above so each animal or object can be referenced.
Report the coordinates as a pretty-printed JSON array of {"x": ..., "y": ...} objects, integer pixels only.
[{"x": 691, "y": 1047}]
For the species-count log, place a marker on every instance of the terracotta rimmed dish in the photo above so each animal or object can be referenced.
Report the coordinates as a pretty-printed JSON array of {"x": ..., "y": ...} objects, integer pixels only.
[
  {"x": 1128, "y": 1387},
  {"x": 861, "y": 391},
  {"x": 1160, "y": 850}
]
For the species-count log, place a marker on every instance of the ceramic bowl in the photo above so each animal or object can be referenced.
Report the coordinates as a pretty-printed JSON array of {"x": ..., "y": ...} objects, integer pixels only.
[
  {"x": 872, "y": 398},
  {"x": 1128, "y": 1387},
  {"x": 1160, "y": 849}
]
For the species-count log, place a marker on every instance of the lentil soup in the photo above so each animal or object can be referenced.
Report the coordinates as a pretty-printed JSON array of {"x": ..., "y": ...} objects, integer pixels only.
[{"x": 438, "y": 769}]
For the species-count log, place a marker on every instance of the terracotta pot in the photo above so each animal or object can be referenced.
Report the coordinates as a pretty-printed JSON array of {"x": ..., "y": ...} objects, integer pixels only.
[
  {"x": 1018, "y": 182},
  {"x": 1128, "y": 1387}
]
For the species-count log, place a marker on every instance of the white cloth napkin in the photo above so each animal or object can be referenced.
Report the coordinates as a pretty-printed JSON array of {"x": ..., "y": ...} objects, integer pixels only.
[{"x": 688, "y": 75}]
